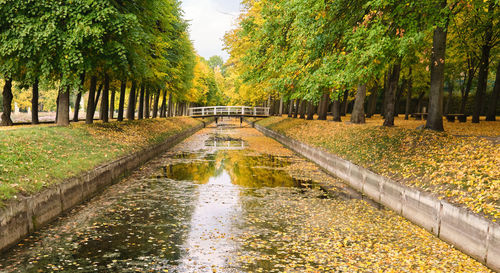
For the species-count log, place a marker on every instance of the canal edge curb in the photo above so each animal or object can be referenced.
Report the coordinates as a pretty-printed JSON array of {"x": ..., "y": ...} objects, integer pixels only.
[
  {"x": 469, "y": 232},
  {"x": 25, "y": 215}
]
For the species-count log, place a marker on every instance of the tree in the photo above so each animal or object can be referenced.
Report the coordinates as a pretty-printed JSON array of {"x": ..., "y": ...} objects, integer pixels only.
[
  {"x": 56, "y": 41},
  {"x": 121, "y": 103},
  {"x": 484, "y": 62},
  {"x": 105, "y": 100},
  {"x": 390, "y": 95},
  {"x": 491, "y": 116},
  {"x": 91, "y": 103},
  {"x": 215, "y": 61},
  {"x": 131, "y": 102},
  {"x": 7, "y": 103},
  {"x": 62, "y": 117},
  {"x": 437, "y": 65},
  {"x": 78, "y": 98},
  {"x": 358, "y": 113}
]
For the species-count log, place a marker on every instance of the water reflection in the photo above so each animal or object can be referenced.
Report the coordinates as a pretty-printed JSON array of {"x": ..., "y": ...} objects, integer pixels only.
[
  {"x": 208, "y": 246},
  {"x": 222, "y": 173},
  {"x": 224, "y": 142}
]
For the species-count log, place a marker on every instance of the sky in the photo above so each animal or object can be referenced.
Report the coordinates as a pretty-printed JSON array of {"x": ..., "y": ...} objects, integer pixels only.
[{"x": 209, "y": 20}]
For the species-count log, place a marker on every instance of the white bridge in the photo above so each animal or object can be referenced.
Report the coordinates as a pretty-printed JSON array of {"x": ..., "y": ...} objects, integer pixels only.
[{"x": 228, "y": 111}]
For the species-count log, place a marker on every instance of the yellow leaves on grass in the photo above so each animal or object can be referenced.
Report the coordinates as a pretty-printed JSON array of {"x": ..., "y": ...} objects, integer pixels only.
[
  {"x": 137, "y": 134},
  {"x": 460, "y": 165}
]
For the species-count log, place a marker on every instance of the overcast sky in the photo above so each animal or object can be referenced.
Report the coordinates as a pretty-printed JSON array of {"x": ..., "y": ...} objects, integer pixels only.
[{"x": 209, "y": 21}]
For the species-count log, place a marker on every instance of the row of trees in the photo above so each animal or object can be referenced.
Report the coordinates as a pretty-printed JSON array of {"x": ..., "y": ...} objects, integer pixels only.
[
  {"x": 317, "y": 51},
  {"x": 79, "y": 46}
]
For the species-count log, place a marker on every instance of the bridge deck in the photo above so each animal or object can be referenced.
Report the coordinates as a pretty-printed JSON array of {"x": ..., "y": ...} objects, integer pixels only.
[{"x": 228, "y": 111}]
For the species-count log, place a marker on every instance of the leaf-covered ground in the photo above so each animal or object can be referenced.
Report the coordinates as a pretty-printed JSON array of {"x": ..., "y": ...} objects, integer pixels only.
[
  {"x": 459, "y": 165},
  {"x": 34, "y": 157}
]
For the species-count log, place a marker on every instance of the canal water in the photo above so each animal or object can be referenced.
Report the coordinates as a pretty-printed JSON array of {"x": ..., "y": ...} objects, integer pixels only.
[{"x": 229, "y": 199}]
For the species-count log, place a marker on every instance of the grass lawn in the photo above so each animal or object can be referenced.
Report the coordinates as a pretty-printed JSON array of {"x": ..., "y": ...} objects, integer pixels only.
[
  {"x": 34, "y": 157},
  {"x": 460, "y": 165}
]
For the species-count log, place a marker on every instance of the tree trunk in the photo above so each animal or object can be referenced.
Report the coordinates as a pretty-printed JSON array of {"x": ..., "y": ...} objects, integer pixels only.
[
  {"x": 141, "y": 102},
  {"x": 466, "y": 92},
  {"x": 409, "y": 89},
  {"x": 146, "y": 103},
  {"x": 89, "y": 119},
  {"x": 399, "y": 93},
  {"x": 386, "y": 87},
  {"x": 151, "y": 96},
  {"x": 450, "y": 97},
  {"x": 131, "y": 102},
  {"x": 105, "y": 100},
  {"x": 310, "y": 110},
  {"x": 137, "y": 97},
  {"x": 372, "y": 101},
  {"x": 435, "y": 116},
  {"x": 63, "y": 107},
  {"x": 437, "y": 66},
  {"x": 302, "y": 111},
  {"x": 277, "y": 108},
  {"x": 290, "y": 108},
  {"x": 34, "y": 103},
  {"x": 121, "y": 103},
  {"x": 345, "y": 104},
  {"x": 390, "y": 95},
  {"x": 491, "y": 115},
  {"x": 170, "y": 104},
  {"x": 7, "y": 103},
  {"x": 296, "y": 110},
  {"x": 358, "y": 111},
  {"x": 163, "y": 108},
  {"x": 79, "y": 98},
  {"x": 112, "y": 104},
  {"x": 419, "y": 102},
  {"x": 155, "y": 104},
  {"x": 270, "y": 105},
  {"x": 57, "y": 105},
  {"x": 96, "y": 101},
  {"x": 337, "y": 111},
  {"x": 483, "y": 69},
  {"x": 319, "y": 108},
  {"x": 323, "y": 110}
]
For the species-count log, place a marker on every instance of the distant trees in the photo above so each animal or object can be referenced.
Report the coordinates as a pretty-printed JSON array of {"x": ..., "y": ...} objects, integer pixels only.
[
  {"x": 299, "y": 49},
  {"x": 94, "y": 46}
]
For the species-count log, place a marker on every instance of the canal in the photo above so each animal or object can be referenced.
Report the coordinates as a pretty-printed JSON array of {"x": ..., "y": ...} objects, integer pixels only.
[{"x": 229, "y": 199}]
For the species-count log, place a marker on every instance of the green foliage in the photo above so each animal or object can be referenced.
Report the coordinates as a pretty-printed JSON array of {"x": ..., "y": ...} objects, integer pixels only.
[
  {"x": 300, "y": 49},
  {"x": 57, "y": 41},
  {"x": 215, "y": 61}
]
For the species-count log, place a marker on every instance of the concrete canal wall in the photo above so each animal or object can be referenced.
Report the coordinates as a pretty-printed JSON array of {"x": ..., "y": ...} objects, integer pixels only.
[
  {"x": 24, "y": 215},
  {"x": 473, "y": 234}
]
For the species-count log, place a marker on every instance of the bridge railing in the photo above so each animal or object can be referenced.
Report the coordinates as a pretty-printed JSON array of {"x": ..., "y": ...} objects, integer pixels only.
[{"x": 228, "y": 111}]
